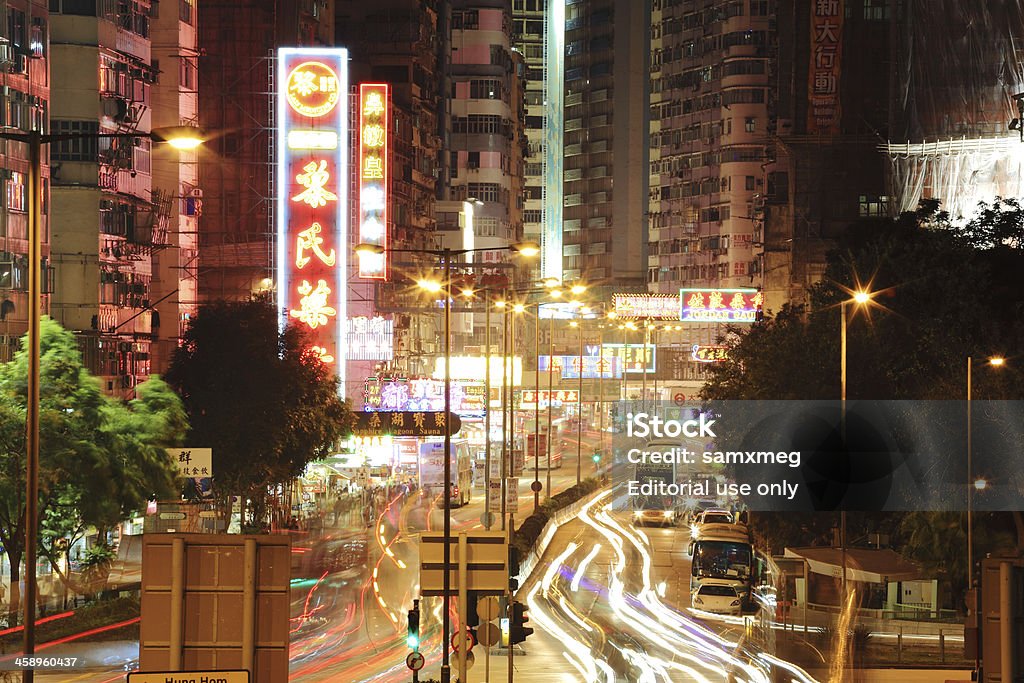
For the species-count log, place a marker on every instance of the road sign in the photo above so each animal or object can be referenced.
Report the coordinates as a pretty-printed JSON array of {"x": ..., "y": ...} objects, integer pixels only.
[
  {"x": 414, "y": 661},
  {"x": 487, "y": 608},
  {"x": 469, "y": 639},
  {"x": 488, "y": 634},
  {"x": 406, "y": 423},
  {"x": 679, "y": 398},
  {"x": 512, "y": 495},
  {"x": 210, "y": 675},
  {"x": 486, "y": 557},
  {"x": 192, "y": 462}
]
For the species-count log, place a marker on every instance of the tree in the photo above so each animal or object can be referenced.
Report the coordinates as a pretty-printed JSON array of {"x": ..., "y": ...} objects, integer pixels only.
[
  {"x": 100, "y": 460},
  {"x": 943, "y": 292},
  {"x": 254, "y": 394}
]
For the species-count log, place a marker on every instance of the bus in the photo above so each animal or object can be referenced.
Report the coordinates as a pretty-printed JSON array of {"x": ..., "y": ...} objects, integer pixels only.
[
  {"x": 432, "y": 470},
  {"x": 723, "y": 553}
]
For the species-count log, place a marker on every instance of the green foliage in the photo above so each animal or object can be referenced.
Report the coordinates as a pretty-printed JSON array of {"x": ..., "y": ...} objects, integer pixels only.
[
  {"x": 943, "y": 293},
  {"x": 529, "y": 531},
  {"x": 90, "y": 616},
  {"x": 254, "y": 395},
  {"x": 99, "y": 459}
]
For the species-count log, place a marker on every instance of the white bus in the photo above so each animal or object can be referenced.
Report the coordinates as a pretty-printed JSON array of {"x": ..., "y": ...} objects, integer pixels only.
[{"x": 723, "y": 552}]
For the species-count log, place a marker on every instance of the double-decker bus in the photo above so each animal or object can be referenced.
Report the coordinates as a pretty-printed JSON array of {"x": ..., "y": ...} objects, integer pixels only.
[{"x": 432, "y": 470}]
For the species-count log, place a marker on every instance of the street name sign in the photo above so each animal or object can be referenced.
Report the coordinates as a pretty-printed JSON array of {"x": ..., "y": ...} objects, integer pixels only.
[{"x": 208, "y": 676}]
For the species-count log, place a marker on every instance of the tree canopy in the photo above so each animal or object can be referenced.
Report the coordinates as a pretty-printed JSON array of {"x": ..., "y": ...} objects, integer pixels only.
[
  {"x": 254, "y": 394},
  {"x": 99, "y": 459}
]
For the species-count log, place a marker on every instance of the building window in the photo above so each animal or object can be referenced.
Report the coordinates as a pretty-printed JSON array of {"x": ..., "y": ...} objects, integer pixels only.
[
  {"x": 484, "y": 192},
  {"x": 750, "y": 183},
  {"x": 873, "y": 205},
  {"x": 187, "y": 11},
  {"x": 78, "y": 148},
  {"x": 485, "y": 89},
  {"x": 876, "y": 10},
  {"x": 532, "y": 216},
  {"x": 16, "y": 193},
  {"x": 749, "y": 124}
]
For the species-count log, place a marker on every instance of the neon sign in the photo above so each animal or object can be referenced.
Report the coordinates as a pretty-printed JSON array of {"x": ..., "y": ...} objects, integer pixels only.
[
  {"x": 312, "y": 197},
  {"x": 373, "y": 178},
  {"x": 710, "y": 354},
  {"x": 720, "y": 305},
  {"x": 656, "y": 306}
]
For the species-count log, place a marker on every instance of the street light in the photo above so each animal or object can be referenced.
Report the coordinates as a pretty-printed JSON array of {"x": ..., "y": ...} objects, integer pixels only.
[
  {"x": 978, "y": 485},
  {"x": 446, "y": 255},
  {"x": 859, "y": 298},
  {"x": 180, "y": 137}
]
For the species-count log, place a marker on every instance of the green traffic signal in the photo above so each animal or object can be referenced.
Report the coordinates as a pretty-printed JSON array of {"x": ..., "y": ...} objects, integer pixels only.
[
  {"x": 413, "y": 637},
  {"x": 596, "y": 457}
]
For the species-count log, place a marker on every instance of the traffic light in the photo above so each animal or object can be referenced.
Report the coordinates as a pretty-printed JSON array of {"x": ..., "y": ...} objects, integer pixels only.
[
  {"x": 413, "y": 637},
  {"x": 472, "y": 618},
  {"x": 596, "y": 457},
  {"x": 517, "y": 630},
  {"x": 513, "y": 569}
]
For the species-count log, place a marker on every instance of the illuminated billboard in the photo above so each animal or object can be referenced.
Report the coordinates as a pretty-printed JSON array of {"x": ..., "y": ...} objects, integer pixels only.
[
  {"x": 651, "y": 306},
  {"x": 594, "y": 367},
  {"x": 373, "y": 178},
  {"x": 312, "y": 195},
  {"x": 720, "y": 305},
  {"x": 712, "y": 353}
]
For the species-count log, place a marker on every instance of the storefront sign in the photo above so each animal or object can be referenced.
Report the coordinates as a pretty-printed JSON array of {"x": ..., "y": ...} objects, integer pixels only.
[
  {"x": 710, "y": 354},
  {"x": 373, "y": 177},
  {"x": 720, "y": 305},
  {"x": 649, "y": 306},
  {"x": 406, "y": 423},
  {"x": 312, "y": 196}
]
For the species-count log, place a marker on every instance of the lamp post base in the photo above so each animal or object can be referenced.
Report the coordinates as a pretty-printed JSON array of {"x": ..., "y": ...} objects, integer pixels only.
[{"x": 446, "y": 673}]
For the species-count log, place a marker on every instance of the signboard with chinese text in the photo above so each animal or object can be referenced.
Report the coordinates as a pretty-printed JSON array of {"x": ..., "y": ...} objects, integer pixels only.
[
  {"x": 370, "y": 338},
  {"x": 406, "y": 423},
  {"x": 312, "y": 196},
  {"x": 710, "y": 354},
  {"x": 648, "y": 306},
  {"x": 594, "y": 367},
  {"x": 528, "y": 397},
  {"x": 633, "y": 358},
  {"x": 391, "y": 394},
  {"x": 720, "y": 305},
  {"x": 373, "y": 178},
  {"x": 824, "y": 111},
  {"x": 193, "y": 462}
]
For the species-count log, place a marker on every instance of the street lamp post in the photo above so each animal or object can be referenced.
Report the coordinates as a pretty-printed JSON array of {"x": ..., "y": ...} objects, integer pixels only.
[
  {"x": 446, "y": 254},
  {"x": 179, "y": 137},
  {"x": 579, "y": 414},
  {"x": 996, "y": 361},
  {"x": 536, "y": 409}
]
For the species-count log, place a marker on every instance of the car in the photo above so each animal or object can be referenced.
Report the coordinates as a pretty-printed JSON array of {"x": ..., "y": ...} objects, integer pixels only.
[
  {"x": 718, "y": 597},
  {"x": 655, "y": 516},
  {"x": 715, "y": 516}
]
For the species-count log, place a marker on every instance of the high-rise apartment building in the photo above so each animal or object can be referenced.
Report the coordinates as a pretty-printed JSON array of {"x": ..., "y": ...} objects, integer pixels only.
[
  {"x": 105, "y": 224},
  {"x": 25, "y": 83},
  {"x": 238, "y": 39},
  {"x": 606, "y": 84},
  {"x": 396, "y": 42},
  {"x": 710, "y": 110},
  {"x": 176, "y": 192}
]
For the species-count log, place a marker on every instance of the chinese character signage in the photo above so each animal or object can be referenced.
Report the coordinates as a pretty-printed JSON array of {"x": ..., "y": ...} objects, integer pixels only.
[
  {"x": 312, "y": 201},
  {"x": 406, "y": 423},
  {"x": 710, "y": 354},
  {"x": 370, "y": 338},
  {"x": 396, "y": 394},
  {"x": 373, "y": 177},
  {"x": 196, "y": 463},
  {"x": 823, "y": 112},
  {"x": 720, "y": 305},
  {"x": 653, "y": 306},
  {"x": 594, "y": 367},
  {"x": 633, "y": 358},
  {"x": 555, "y": 397}
]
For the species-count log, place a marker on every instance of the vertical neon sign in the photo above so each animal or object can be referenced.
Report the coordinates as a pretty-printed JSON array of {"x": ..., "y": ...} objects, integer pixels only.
[
  {"x": 373, "y": 178},
  {"x": 312, "y": 196}
]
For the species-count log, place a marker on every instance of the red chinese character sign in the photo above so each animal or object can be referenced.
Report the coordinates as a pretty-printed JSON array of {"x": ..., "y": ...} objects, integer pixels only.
[
  {"x": 824, "y": 113},
  {"x": 373, "y": 177},
  {"x": 312, "y": 198},
  {"x": 720, "y": 305}
]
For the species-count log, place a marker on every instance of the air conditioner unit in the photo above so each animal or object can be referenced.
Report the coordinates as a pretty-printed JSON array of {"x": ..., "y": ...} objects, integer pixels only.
[{"x": 196, "y": 192}]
